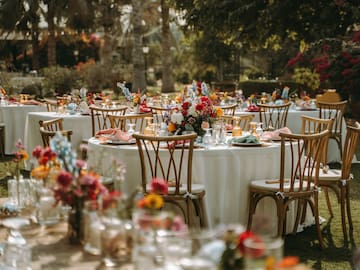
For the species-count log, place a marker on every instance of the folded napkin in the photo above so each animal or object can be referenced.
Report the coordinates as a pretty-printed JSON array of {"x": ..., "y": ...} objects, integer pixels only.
[
  {"x": 253, "y": 108},
  {"x": 274, "y": 135},
  {"x": 144, "y": 109},
  {"x": 113, "y": 135},
  {"x": 245, "y": 139}
]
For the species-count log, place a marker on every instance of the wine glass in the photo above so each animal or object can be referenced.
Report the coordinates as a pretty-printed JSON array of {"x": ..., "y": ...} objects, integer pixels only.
[
  {"x": 207, "y": 139},
  {"x": 131, "y": 129},
  {"x": 17, "y": 253}
]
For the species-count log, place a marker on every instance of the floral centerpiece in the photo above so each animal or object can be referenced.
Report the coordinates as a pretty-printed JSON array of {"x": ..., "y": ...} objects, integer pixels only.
[
  {"x": 71, "y": 184},
  {"x": 193, "y": 116}
]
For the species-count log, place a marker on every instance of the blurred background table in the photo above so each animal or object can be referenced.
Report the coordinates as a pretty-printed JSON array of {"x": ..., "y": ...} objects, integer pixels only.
[{"x": 14, "y": 118}]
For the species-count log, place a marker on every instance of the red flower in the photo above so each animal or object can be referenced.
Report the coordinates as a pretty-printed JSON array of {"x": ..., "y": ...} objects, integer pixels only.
[
  {"x": 242, "y": 237},
  {"x": 346, "y": 72},
  {"x": 159, "y": 186},
  {"x": 186, "y": 105},
  {"x": 43, "y": 160},
  {"x": 346, "y": 55},
  {"x": 356, "y": 36},
  {"x": 355, "y": 61},
  {"x": 199, "y": 107},
  {"x": 37, "y": 151},
  {"x": 64, "y": 179},
  {"x": 292, "y": 61}
]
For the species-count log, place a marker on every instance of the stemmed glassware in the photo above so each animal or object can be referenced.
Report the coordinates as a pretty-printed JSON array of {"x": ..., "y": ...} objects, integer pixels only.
[
  {"x": 207, "y": 139},
  {"x": 131, "y": 129},
  {"x": 17, "y": 254}
]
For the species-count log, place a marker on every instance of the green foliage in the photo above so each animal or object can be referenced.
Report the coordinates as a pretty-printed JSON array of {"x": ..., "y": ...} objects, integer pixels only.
[
  {"x": 60, "y": 80},
  {"x": 307, "y": 77}
]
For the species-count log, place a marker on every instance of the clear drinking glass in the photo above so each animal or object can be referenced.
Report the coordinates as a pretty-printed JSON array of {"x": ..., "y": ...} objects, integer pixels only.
[{"x": 17, "y": 254}]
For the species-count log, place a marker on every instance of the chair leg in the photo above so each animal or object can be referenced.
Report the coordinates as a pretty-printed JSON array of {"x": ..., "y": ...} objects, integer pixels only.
[
  {"x": 328, "y": 203},
  {"x": 252, "y": 206},
  {"x": 348, "y": 206},
  {"x": 2, "y": 141},
  {"x": 301, "y": 212},
  {"x": 202, "y": 213},
  {"x": 315, "y": 210},
  {"x": 342, "y": 208}
]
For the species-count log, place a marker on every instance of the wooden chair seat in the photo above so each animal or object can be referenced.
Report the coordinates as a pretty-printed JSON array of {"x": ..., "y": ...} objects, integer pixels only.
[
  {"x": 274, "y": 185},
  {"x": 48, "y": 129}
]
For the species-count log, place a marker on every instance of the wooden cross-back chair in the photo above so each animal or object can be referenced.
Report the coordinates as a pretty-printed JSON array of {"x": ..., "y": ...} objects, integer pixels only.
[
  {"x": 161, "y": 114},
  {"x": 298, "y": 182},
  {"x": 336, "y": 111},
  {"x": 51, "y": 105},
  {"x": 228, "y": 109},
  {"x": 273, "y": 116},
  {"x": 48, "y": 129},
  {"x": 122, "y": 121},
  {"x": 243, "y": 120},
  {"x": 170, "y": 158},
  {"x": 339, "y": 180},
  {"x": 99, "y": 117}
]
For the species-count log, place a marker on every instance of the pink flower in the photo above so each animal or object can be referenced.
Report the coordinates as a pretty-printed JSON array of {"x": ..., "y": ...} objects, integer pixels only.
[
  {"x": 159, "y": 186},
  {"x": 19, "y": 145},
  {"x": 80, "y": 163}
]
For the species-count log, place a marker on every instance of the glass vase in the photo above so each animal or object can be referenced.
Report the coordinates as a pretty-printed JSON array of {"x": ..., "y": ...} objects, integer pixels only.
[
  {"x": 75, "y": 220},
  {"x": 92, "y": 227},
  {"x": 47, "y": 213}
]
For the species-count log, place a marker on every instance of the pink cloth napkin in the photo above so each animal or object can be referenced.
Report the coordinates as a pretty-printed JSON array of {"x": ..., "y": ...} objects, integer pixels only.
[
  {"x": 113, "y": 134},
  {"x": 274, "y": 135}
]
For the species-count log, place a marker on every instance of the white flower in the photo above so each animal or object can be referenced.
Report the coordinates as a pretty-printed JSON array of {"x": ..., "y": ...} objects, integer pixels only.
[
  {"x": 177, "y": 118},
  {"x": 192, "y": 111}
]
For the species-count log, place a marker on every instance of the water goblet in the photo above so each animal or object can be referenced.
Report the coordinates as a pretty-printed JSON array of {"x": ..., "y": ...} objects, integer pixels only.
[
  {"x": 207, "y": 140},
  {"x": 17, "y": 253},
  {"x": 131, "y": 129}
]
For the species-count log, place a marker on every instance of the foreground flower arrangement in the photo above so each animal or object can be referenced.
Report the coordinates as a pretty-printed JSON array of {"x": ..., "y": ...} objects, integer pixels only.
[{"x": 193, "y": 116}]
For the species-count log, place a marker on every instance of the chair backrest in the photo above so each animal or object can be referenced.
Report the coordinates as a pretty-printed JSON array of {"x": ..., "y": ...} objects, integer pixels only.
[
  {"x": 333, "y": 110},
  {"x": 243, "y": 120},
  {"x": 313, "y": 125},
  {"x": 161, "y": 114},
  {"x": 167, "y": 157},
  {"x": 350, "y": 144},
  {"x": 122, "y": 121},
  {"x": 99, "y": 117},
  {"x": 273, "y": 116},
  {"x": 48, "y": 129},
  {"x": 228, "y": 109},
  {"x": 303, "y": 161},
  {"x": 51, "y": 105}
]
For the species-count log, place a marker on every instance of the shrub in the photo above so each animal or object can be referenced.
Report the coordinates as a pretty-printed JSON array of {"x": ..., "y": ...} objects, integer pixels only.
[{"x": 59, "y": 79}]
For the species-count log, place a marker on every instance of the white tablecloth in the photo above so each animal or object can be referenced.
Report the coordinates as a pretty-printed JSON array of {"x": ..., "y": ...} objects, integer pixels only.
[
  {"x": 79, "y": 124},
  {"x": 14, "y": 117},
  {"x": 225, "y": 171},
  {"x": 294, "y": 124}
]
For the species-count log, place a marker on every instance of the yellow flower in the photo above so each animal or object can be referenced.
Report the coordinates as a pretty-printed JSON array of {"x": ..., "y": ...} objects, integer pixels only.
[
  {"x": 40, "y": 172},
  {"x": 219, "y": 112},
  {"x": 154, "y": 201}
]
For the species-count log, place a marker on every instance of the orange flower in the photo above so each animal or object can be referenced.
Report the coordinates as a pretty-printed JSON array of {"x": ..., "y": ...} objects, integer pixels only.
[
  {"x": 171, "y": 127},
  {"x": 40, "y": 172},
  {"x": 219, "y": 112}
]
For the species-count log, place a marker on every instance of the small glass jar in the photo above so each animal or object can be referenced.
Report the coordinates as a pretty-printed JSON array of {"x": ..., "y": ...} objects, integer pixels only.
[
  {"x": 149, "y": 129},
  {"x": 116, "y": 241},
  {"x": 92, "y": 228},
  {"x": 236, "y": 131}
]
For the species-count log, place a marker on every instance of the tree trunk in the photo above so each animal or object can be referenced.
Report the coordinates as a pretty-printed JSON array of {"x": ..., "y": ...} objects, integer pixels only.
[
  {"x": 139, "y": 81},
  {"x": 167, "y": 76},
  {"x": 35, "y": 49},
  {"x": 51, "y": 37}
]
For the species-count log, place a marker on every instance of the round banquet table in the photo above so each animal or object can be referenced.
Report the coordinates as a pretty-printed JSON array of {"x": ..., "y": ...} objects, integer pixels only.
[
  {"x": 294, "y": 124},
  {"x": 225, "y": 171},
  {"x": 14, "y": 117},
  {"x": 79, "y": 124}
]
